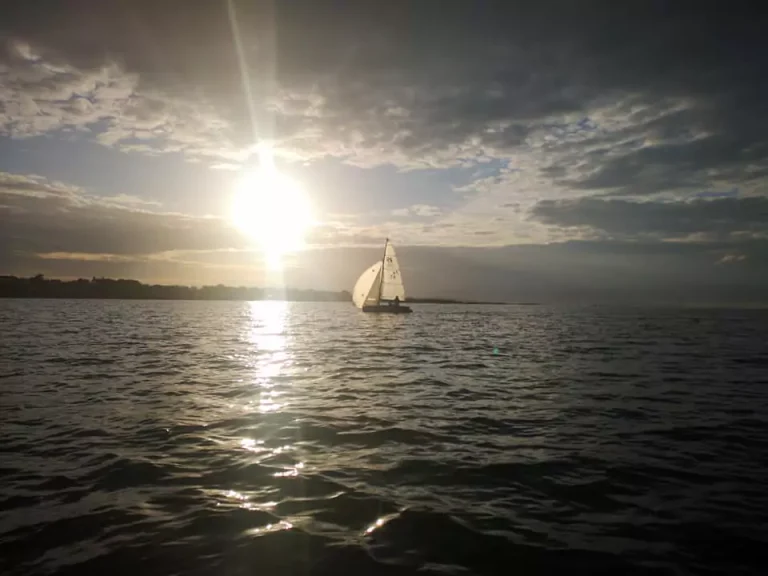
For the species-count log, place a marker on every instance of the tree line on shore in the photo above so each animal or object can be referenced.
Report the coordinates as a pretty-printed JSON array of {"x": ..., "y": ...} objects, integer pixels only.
[{"x": 108, "y": 288}]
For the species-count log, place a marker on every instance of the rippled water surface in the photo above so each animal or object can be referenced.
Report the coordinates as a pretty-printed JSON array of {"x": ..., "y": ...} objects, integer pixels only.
[{"x": 276, "y": 438}]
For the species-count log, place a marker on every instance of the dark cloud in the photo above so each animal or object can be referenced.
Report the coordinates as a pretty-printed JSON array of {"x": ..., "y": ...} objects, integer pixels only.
[
  {"x": 597, "y": 272},
  {"x": 732, "y": 259},
  {"x": 571, "y": 272},
  {"x": 42, "y": 217},
  {"x": 407, "y": 81},
  {"x": 737, "y": 154},
  {"x": 721, "y": 218},
  {"x": 49, "y": 228},
  {"x": 38, "y": 216}
]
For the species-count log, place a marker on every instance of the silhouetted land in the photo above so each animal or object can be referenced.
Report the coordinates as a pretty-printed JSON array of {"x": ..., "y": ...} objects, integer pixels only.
[
  {"x": 449, "y": 301},
  {"x": 108, "y": 288}
]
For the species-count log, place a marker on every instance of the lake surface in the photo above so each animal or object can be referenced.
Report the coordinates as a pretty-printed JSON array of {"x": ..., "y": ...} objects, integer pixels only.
[{"x": 277, "y": 438}]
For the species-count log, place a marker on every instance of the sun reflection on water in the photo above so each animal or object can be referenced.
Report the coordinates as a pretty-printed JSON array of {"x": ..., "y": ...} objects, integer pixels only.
[
  {"x": 267, "y": 402},
  {"x": 235, "y": 495},
  {"x": 290, "y": 471},
  {"x": 277, "y": 526},
  {"x": 267, "y": 337},
  {"x": 379, "y": 523},
  {"x": 268, "y": 363},
  {"x": 267, "y": 329},
  {"x": 244, "y": 501},
  {"x": 253, "y": 445}
]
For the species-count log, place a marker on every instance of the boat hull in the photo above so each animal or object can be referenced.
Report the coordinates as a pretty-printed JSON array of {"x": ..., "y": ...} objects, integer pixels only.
[{"x": 387, "y": 309}]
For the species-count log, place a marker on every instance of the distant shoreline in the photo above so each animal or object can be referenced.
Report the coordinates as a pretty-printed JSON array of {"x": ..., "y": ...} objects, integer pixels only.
[
  {"x": 467, "y": 302},
  {"x": 122, "y": 289}
]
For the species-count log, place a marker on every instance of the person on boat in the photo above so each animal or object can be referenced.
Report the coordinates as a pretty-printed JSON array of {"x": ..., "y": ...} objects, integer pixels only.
[{"x": 397, "y": 301}]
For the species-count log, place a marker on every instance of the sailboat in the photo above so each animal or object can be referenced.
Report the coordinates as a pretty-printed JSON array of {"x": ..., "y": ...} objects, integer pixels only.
[{"x": 380, "y": 287}]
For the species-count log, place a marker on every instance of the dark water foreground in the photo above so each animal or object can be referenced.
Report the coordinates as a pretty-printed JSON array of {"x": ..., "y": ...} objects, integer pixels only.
[{"x": 231, "y": 438}]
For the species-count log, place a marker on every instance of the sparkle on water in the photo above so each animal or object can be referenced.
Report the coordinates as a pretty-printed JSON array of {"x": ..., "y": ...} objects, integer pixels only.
[{"x": 221, "y": 437}]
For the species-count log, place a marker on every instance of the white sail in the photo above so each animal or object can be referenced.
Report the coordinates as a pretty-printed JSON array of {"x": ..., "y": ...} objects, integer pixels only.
[
  {"x": 367, "y": 286},
  {"x": 392, "y": 280}
]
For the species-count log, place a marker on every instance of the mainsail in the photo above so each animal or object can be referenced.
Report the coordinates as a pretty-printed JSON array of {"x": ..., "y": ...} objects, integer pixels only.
[{"x": 392, "y": 280}]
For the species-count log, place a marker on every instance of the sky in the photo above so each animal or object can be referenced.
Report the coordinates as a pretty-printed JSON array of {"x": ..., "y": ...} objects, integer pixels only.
[{"x": 592, "y": 151}]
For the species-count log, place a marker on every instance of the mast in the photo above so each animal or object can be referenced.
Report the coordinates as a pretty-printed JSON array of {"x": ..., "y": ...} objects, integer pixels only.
[{"x": 383, "y": 258}]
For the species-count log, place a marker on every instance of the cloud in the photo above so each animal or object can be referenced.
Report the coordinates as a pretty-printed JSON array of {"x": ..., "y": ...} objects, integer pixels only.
[
  {"x": 484, "y": 80},
  {"x": 106, "y": 103},
  {"x": 62, "y": 231},
  {"x": 571, "y": 272},
  {"x": 419, "y": 210},
  {"x": 53, "y": 220},
  {"x": 722, "y": 219},
  {"x": 40, "y": 216},
  {"x": 732, "y": 258},
  {"x": 561, "y": 99},
  {"x": 88, "y": 257},
  {"x": 43, "y": 221},
  {"x": 40, "y": 97}
]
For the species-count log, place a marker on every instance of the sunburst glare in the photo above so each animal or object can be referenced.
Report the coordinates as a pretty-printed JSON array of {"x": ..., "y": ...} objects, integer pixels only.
[{"x": 272, "y": 209}]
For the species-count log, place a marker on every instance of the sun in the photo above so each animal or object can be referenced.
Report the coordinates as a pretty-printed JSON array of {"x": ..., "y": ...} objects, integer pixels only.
[{"x": 273, "y": 210}]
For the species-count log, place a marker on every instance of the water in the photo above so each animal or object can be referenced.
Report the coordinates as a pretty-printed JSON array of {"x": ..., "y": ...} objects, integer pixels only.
[{"x": 273, "y": 438}]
